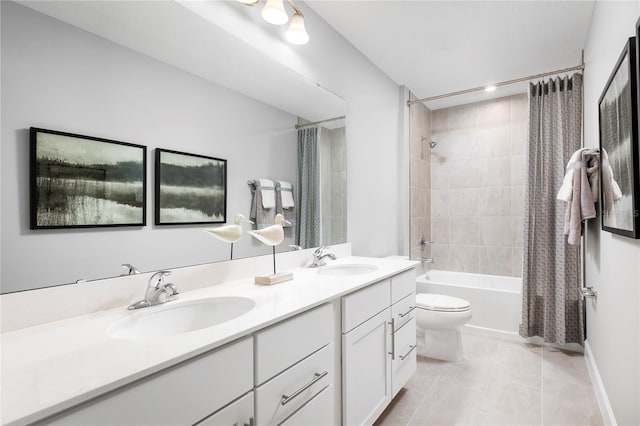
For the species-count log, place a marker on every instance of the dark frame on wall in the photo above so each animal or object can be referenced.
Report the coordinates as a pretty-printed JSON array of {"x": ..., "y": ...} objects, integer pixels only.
[
  {"x": 189, "y": 188},
  {"x": 618, "y": 123},
  {"x": 78, "y": 181}
]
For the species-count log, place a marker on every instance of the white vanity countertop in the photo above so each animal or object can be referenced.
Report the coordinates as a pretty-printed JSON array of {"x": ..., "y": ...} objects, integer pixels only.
[{"x": 48, "y": 368}]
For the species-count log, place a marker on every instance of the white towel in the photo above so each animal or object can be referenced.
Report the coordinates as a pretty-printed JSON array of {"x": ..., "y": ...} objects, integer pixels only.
[
  {"x": 267, "y": 190},
  {"x": 286, "y": 192}
]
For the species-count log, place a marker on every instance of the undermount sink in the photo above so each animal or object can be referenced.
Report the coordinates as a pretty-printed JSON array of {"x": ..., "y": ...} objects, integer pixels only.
[
  {"x": 169, "y": 319},
  {"x": 347, "y": 269}
]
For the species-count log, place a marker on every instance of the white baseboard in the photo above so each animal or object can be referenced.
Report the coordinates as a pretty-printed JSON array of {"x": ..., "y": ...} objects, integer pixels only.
[{"x": 601, "y": 394}]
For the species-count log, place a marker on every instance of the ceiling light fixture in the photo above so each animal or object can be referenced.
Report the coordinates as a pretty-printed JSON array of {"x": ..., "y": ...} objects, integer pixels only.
[
  {"x": 274, "y": 13},
  {"x": 490, "y": 88}
]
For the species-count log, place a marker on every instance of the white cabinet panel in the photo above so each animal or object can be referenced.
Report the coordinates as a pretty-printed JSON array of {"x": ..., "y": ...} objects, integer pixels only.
[
  {"x": 284, "y": 394},
  {"x": 279, "y": 347},
  {"x": 317, "y": 412},
  {"x": 238, "y": 413},
  {"x": 366, "y": 370},
  {"x": 181, "y": 395},
  {"x": 404, "y": 355},
  {"x": 363, "y": 304},
  {"x": 403, "y": 285}
]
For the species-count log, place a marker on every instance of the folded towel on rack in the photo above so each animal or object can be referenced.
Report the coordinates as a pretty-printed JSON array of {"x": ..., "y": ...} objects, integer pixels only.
[
  {"x": 285, "y": 204},
  {"x": 261, "y": 216},
  {"x": 581, "y": 206},
  {"x": 584, "y": 157},
  {"x": 268, "y": 192}
]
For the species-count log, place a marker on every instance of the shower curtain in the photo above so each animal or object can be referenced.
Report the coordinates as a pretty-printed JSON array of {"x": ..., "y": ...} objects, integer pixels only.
[
  {"x": 551, "y": 304},
  {"x": 308, "y": 231}
]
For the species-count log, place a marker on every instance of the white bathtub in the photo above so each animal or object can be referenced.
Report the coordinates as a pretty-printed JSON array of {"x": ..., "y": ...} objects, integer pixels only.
[{"x": 496, "y": 301}]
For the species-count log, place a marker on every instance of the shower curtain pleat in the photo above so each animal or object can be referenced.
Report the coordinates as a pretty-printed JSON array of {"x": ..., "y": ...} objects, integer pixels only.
[
  {"x": 308, "y": 231},
  {"x": 551, "y": 303}
]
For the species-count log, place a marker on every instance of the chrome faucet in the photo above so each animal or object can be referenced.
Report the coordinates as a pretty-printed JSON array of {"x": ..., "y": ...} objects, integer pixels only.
[
  {"x": 157, "y": 291},
  {"x": 319, "y": 255},
  {"x": 131, "y": 270}
]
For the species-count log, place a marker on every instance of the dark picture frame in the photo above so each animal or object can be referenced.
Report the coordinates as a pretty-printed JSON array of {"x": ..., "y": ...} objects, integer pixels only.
[
  {"x": 618, "y": 123},
  {"x": 79, "y": 181},
  {"x": 189, "y": 188}
]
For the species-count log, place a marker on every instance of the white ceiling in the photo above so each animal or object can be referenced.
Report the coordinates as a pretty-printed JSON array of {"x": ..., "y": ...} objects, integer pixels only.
[{"x": 437, "y": 47}]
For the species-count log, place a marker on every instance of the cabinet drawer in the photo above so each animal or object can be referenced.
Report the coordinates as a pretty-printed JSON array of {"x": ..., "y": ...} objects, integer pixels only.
[
  {"x": 317, "y": 412},
  {"x": 284, "y": 394},
  {"x": 239, "y": 413},
  {"x": 286, "y": 343},
  {"x": 364, "y": 304},
  {"x": 403, "y": 285},
  {"x": 404, "y": 355},
  {"x": 403, "y": 311},
  {"x": 181, "y": 395}
]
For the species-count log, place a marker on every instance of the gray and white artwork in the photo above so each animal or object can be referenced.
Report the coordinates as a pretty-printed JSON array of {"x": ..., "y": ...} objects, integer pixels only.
[
  {"x": 189, "y": 188},
  {"x": 615, "y": 135},
  {"x": 83, "y": 182}
]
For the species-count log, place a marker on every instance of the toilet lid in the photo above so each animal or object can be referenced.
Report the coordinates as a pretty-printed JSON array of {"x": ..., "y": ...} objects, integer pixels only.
[{"x": 440, "y": 302}]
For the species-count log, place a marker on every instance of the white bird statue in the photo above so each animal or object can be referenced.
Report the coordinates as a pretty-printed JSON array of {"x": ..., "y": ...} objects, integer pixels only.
[
  {"x": 230, "y": 233},
  {"x": 271, "y": 235}
]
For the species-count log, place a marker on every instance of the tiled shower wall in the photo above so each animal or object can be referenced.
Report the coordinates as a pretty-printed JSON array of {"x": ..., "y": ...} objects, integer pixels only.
[
  {"x": 420, "y": 179},
  {"x": 477, "y": 186},
  {"x": 333, "y": 164}
]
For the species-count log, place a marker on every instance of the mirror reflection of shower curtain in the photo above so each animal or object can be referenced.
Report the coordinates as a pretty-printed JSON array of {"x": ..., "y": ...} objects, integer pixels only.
[
  {"x": 309, "y": 230},
  {"x": 551, "y": 304}
]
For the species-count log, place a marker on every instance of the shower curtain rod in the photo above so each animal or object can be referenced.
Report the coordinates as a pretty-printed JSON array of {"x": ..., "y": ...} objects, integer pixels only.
[
  {"x": 504, "y": 83},
  {"x": 300, "y": 126}
]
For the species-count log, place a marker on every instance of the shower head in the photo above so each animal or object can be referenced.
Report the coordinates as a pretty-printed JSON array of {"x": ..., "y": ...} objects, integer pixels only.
[{"x": 432, "y": 144}]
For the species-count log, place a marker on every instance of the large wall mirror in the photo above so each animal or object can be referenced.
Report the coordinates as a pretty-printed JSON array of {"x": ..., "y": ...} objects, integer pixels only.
[{"x": 160, "y": 75}]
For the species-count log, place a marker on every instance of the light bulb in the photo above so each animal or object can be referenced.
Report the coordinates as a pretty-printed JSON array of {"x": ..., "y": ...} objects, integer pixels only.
[
  {"x": 490, "y": 88},
  {"x": 273, "y": 12},
  {"x": 249, "y": 2},
  {"x": 296, "y": 33}
]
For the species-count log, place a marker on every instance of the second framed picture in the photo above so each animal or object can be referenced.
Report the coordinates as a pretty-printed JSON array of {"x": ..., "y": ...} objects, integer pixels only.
[{"x": 189, "y": 188}]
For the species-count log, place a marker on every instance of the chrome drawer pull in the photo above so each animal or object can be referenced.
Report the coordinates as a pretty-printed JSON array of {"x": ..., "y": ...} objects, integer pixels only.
[
  {"x": 286, "y": 398},
  {"x": 411, "y": 308},
  {"x": 402, "y": 357}
]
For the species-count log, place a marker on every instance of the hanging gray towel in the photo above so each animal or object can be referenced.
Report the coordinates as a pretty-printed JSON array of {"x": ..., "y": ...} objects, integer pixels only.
[
  {"x": 285, "y": 204},
  {"x": 261, "y": 216},
  {"x": 581, "y": 206}
]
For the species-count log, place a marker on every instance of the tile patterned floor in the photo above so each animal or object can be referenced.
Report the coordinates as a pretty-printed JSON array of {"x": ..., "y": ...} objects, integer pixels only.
[{"x": 500, "y": 382}]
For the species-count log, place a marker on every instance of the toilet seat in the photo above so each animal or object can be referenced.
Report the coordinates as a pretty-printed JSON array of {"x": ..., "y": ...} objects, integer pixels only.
[{"x": 441, "y": 303}]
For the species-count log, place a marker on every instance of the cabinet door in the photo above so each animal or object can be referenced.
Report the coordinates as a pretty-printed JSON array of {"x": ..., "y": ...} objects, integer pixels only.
[
  {"x": 238, "y": 413},
  {"x": 404, "y": 355},
  {"x": 366, "y": 370}
]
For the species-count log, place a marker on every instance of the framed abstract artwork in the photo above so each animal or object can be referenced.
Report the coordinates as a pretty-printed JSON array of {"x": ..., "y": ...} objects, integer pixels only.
[
  {"x": 189, "y": 188},
  {"x": 618, "y": 119},
  {"x": 79, "y": 181}
]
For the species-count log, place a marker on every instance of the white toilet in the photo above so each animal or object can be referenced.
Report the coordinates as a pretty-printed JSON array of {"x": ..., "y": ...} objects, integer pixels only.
[{"x": 438, "y": 322}]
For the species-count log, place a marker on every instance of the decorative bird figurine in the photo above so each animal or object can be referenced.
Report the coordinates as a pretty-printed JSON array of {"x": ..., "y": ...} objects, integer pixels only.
[
  {"x": 271, "y": 235},
  {"x": 229, "y": 233}
]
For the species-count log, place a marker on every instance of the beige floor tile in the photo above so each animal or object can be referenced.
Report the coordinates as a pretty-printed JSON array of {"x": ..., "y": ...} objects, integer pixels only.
[
  {"x": 469, "y": 373},
  {"x": 448, "y": 404},
  {"x": 480, "y": 348},
  {"x": 566, "y": 366},
  {"x": 430, "y": 365},
  {"x": 507, "y": 403},
  {"x": 566, "y": 403},
  {"x": 520, "y": 364},
  {"x": 401, "y": 409}
]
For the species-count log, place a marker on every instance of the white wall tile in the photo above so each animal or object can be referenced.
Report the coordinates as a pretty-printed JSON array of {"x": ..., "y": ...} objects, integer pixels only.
[
  {"x": 496, "y": 260},
  {"x": 464, "y": 258},
  {"x": 464, "y": 230},
  {"x": 494, "y": 142},
  {"x": 518, "y": 169}
]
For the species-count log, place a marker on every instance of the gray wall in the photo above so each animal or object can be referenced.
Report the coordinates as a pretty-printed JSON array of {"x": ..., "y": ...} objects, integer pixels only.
[
  {"x": 58, "y": 77},
  {"x": 477, "y": 186},
  {"x": 613, "y": 323}
]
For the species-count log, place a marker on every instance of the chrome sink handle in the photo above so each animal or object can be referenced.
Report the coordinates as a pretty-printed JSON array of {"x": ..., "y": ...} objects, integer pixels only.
[
  {"x": 319, "y": 255},
  {"x": 156, "y": 288}
]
